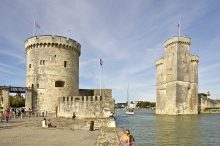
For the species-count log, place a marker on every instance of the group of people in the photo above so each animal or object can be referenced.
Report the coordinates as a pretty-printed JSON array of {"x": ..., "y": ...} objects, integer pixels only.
[
  {"x": 46, "y": 123},
  {"x": 127, "y": 139},
  {"x": 11, "y": 112}
]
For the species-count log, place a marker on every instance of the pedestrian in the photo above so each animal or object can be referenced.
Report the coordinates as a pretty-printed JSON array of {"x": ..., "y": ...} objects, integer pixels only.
[
  {"x": 7, "y": 114},
  {"x": 74, "y": 116},
  {"x": 125, "y": 139}
]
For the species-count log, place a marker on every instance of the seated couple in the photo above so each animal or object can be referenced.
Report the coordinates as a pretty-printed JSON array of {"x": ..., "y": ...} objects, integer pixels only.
[{"x": 47, "y": 123}]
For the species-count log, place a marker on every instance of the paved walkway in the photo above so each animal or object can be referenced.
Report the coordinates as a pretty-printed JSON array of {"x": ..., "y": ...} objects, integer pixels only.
[{"x": 28, "y": 132}]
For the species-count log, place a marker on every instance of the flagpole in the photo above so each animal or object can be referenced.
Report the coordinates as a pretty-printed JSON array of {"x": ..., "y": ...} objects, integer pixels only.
[
  {"x": 179, "y": 27},
  {"x": 128, "y": 96},
  {"x": 34, "y": 28},
  {"x": 100, "y": 78}
]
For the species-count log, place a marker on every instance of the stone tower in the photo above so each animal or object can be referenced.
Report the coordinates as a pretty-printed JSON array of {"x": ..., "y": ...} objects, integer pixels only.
[
  {"x": 177, "y": 79},
  {"x": 52, "y": 71}
]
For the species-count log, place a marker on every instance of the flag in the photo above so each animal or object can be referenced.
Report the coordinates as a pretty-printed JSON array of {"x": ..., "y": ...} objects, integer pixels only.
[
  {"x": 179, "y": 27},
  {"x": 36, "y": 25},
  {"x": 101, "y": 62}
]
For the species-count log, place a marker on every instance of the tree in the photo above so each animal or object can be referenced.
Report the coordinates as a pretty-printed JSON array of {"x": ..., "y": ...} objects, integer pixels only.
[
  {"x": 16, "y": 101},
  {"x": 146, "y": 104}
]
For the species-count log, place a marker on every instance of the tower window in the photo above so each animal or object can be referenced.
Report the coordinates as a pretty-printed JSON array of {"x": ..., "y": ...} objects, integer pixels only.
[
  {"x": 59, "y": 83},
  {"x": 65, "y": 63},
  {"x": 42, "y": 62},
  {"x": 37, "y": 85},
  {"x": 29, "y": 65}
]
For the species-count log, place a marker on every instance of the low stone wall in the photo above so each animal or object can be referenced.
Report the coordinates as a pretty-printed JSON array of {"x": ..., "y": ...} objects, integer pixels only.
[
  {"x": 109, "y": 136},
  {"x": 85, "y": 107},
  {"x": 207, "y": 105}
]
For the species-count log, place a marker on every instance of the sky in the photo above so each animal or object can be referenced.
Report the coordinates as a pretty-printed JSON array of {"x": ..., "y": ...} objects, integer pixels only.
[{"x": 128, "y": 35}]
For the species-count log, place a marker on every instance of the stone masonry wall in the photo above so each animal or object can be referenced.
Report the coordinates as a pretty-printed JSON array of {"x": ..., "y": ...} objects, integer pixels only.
[
  {"x": 5, "y": 97},
  {"x": 52, "y": 70},
  {"x": 92, "y": 106},
  {"x": 177, "y": 79},
  {"x": 205, "y": 102}
]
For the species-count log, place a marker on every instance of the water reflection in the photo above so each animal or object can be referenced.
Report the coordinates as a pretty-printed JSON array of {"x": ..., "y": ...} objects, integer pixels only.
[
  {"x": 157, "y": 130},
  {"x": 176, "y": 130}
]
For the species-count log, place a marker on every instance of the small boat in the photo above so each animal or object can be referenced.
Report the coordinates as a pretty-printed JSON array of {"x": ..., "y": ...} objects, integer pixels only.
[
  {"x": 130, "y": 112},
  {"x": 130, "y": 106}
]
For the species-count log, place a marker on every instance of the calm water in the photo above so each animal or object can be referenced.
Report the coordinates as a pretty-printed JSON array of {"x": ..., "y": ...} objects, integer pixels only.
[{"x": 156, "y": 130}]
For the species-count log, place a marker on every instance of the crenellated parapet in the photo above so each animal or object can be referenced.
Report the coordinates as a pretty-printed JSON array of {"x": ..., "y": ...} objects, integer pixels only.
[
  {"x": 52, "y": 41},
  {"x": 85, "y": 107},
  {"x": 178, "y": 39},
  {"x": 80, "y": 98},
  {"x": 195, "y": 58},
  {"x": 159, "y": 62}
]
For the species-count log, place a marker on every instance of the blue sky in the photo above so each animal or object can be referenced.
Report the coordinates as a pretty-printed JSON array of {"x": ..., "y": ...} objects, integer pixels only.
[{"x": 128, "y": 35}]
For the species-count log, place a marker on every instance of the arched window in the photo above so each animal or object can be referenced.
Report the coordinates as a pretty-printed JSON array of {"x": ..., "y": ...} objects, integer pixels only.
[{"x": 59, "y": 83}]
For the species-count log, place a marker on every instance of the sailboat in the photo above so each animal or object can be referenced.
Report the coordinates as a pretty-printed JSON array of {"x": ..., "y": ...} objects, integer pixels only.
[{"x": 130, "y": 105}]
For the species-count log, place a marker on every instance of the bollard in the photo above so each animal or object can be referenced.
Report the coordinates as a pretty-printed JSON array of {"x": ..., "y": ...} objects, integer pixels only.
[
  {"x": 91, "y": 126},
  {"x": 21, "y": 115}
]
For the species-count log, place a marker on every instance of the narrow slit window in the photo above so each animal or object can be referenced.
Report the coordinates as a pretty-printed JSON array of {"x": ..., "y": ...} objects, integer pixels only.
[
  {"x": 65, "y": 63},
  {"x": 29, "y": 65}
]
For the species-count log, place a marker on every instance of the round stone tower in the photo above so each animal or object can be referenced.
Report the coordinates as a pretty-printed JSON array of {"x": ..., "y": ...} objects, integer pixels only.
[{"x": 52, "y": 71}]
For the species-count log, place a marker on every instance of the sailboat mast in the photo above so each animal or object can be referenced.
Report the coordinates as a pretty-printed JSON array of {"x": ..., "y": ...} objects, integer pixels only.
[{"x": 128, "y": 103}]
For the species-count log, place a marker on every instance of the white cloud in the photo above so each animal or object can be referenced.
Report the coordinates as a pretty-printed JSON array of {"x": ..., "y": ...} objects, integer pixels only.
[{"x": 129, "y": 37}]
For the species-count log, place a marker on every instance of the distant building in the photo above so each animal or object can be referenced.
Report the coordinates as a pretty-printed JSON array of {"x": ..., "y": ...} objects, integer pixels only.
[{"x": 121, "y": 105}]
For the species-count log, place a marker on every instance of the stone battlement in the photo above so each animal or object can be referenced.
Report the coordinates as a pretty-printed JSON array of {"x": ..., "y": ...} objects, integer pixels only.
[
  {"x": 178, "y": 39},
  {"x": 52, "y": 41},
  {"x": 159, "y": 62},
  {"x": 195, "y": 58},
  {"x": 80, "y": 98},
  {"x": 85, "y": 107}
]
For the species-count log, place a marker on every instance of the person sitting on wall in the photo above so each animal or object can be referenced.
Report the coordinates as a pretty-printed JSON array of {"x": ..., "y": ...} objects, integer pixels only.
[
  {"x": 44, "y": 123},
  {"x": 50, "y": 124},
  {"x": 125, "y": 139},
  {"x": 131, "y": 140}
]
